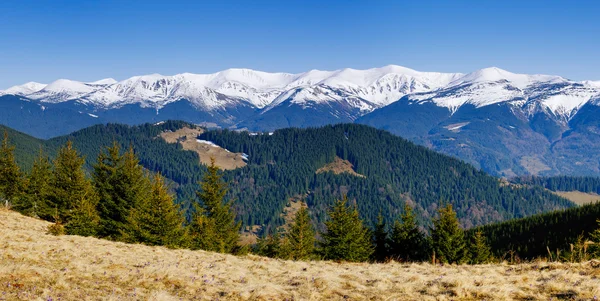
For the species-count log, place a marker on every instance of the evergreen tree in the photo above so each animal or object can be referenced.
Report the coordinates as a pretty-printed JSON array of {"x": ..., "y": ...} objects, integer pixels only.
[
  {"x": 448, "y": 238},
  {"x": 35, "y": 201},
  {"x": 346, "y": 237},
  {"x": 408, "y": 242},
  {"x": 69, "y": 184},
  {"x": 301, "y": 236},
  {"x": 156, "y": 220},
  {"x": 269, "y": 246},
  {"x": 213, "y": 226},
  {"x": 11, "y": 179},
  {"x": 480, "y": 251},
  {"x": 595, "y": 238},
  {"x": 84, "y": 219},
  {"x": 380, "y": 240},
  {"x": 120, "y": 183}
]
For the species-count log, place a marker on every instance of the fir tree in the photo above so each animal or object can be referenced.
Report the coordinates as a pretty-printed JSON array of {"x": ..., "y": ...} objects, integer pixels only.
[
  {"x": 301, "y": 236},
  {"x": 36, "y": 198},
  {"x": 269, "y": 245},
  {"x": 11, "y": 179},
  {"x": 595, "y": 239},
  {"x": 408, "y": 242},
  {"x": 380, "y": 240},
  {"x": 120, "y": 183},
  {"x": 213, "y": 226},
  {"x": 156, "y": 220},
  {"x": 84, "y": 219},
  {"x": 346, "y": 237},
  {"x": 69, "y": 184},
  {"x": 448, "y": 238},
  {"x": 480, "y": 250}
]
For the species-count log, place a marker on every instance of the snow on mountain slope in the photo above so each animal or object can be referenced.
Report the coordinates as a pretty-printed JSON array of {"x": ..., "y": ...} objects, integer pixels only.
[
  {"x": 63, "y": 90},
  {"x": 24, "y": 89},
  {"x": 494, "y": 74},
  {"x": 367, "y": 89}
]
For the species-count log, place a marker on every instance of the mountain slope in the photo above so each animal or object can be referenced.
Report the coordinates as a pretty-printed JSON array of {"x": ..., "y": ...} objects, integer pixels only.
[
  {"x": 284, "y": 165},
  {"x": 88, "y": 268},
  {"x": 505, "y": 123}
]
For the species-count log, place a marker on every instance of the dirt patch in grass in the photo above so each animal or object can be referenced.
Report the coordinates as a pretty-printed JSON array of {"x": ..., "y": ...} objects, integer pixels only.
[
  {"x": 187, "y": 137},
  {"x": 339, "y": 166}
]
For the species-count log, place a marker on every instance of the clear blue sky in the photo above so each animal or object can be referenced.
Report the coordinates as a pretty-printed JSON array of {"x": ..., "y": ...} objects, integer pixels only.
[{"x": 89, "y": 40}]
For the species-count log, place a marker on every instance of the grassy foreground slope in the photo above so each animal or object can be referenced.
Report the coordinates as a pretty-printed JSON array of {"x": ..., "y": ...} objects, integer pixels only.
[{"x": 37, "y": 266}]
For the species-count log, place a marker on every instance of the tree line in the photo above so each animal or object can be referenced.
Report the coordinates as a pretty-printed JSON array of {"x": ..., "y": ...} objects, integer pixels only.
[{"x": 122, "y": 201}]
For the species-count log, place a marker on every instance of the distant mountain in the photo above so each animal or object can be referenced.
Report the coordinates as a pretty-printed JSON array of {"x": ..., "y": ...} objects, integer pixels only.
[{"x": 505, "y": 123}]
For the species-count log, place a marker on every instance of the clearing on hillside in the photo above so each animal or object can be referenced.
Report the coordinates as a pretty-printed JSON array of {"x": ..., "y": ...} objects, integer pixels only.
[
  {"x": 38, "y": 266},
  {"x": 578, "y": 197},
  {"x": 339, "y": 166},
  {"x": 187, "y": 137}
]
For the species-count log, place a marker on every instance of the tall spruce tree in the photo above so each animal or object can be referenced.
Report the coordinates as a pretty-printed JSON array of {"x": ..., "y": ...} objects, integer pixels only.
[
  {"x": 213, "y": 226},
  {"x": 156, "y": 221},
  {"x": 301, "y": 236},
  {"x": 480, "y": 250},
  {"x": 36, "y": 198},
  {"x": 346, "y": 237},
  {"x": 380, "y": 240},
  {"x": 84, "y": 219},
  {"x": 448, "y": 238},
  {"x": 408, "y": 243},
  {"x": 69, "y": 184},
  {"x": 120, "y": 183},
  {"x": 11, "y": 179}
]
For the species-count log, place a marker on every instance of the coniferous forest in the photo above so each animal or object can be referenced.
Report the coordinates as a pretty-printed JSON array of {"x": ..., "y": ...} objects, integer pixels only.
[{"x": 125, "y": 183}]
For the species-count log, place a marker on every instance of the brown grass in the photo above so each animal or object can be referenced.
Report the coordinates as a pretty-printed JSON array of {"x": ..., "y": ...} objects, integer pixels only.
[
  {"x": 578, "y": 197},
  {"x": 187, "y": 138},
  {"x": 37, "y": 266},
  {"x": 339, "y": 166}
]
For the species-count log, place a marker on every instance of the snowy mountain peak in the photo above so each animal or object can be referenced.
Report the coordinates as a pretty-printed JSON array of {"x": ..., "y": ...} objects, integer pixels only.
[
  {"x": 24, "y": 89},
  {"x": 495, "y": 74}
]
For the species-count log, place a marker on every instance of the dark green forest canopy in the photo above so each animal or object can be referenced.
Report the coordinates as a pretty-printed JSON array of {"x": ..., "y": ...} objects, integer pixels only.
[
  {"x": 283, "y": 165},
  {"x": 533, "y": 236}
]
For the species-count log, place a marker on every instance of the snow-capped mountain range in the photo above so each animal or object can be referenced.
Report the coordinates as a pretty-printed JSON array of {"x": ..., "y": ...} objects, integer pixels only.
[
  {"x": 505, "y": 123},
  {"x": 369, "y": 89}
]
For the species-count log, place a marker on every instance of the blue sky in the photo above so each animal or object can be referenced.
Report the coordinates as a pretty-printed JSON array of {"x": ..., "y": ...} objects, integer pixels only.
[{"x": 89, "y": 40}]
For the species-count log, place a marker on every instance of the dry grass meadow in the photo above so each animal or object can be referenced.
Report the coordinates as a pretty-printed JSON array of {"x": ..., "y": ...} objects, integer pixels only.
[
  {"x": 187, "y": 138},
  {"x": 37, "y": 266}
]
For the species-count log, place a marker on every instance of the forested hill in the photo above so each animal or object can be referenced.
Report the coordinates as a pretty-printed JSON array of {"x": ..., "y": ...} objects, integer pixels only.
[
  {"x": 284, "y": 164},
  {"x": 534, "y": 236}
]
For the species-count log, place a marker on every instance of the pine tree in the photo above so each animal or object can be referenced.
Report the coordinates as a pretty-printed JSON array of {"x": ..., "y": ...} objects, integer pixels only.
[
  {"x": 408, "y": 242},
  {"x": 346, "y": 237},
  {"x": 157, "y": 220},
  {"x": 480, "y": 251},
  {"x": 380, "y": 240},
  {"x": 120, "y": 183},
  {"x": 301, "y": 236},
  {"x": 11, "y": 179},
  {"x": 213, "y": 226},
  {"x": 269, "y": 246},
  {"x": 36, "y": 198},
  {"x": 595, "y": 239},
  {"x": 69, "y": 184},
  {"x": 84, "y": 219},
  {"x": 448, "y": 238}
]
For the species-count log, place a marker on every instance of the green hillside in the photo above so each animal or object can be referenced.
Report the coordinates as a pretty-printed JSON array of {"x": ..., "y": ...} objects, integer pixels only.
[{"x": 284, "y": 165}]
